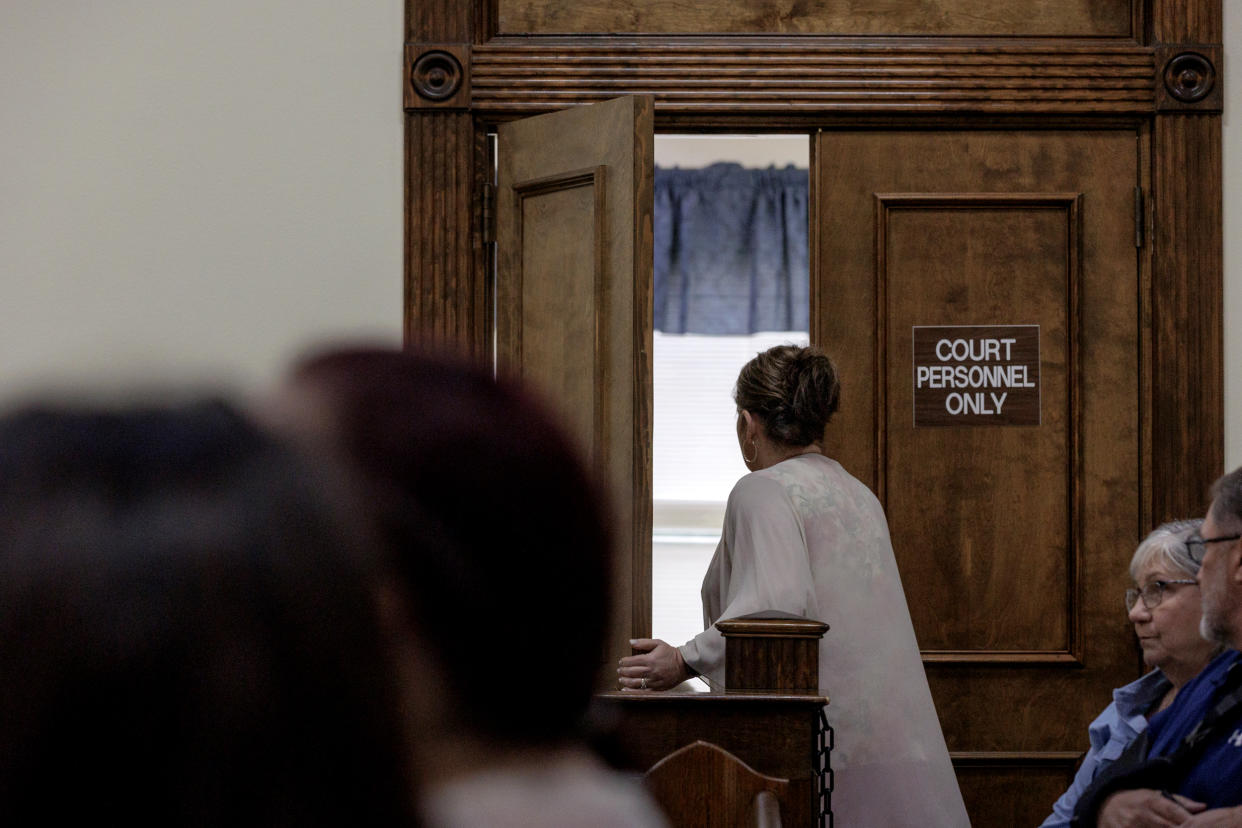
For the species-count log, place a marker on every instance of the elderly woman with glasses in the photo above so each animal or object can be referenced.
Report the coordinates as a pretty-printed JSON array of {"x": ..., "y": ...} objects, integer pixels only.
[{"x": 1164, "y": 608}]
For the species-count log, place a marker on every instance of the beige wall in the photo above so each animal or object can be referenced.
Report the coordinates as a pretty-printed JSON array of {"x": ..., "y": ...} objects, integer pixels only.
[
  {"x": 199, "y": 189},
  {"x": 195, "y": 189}
]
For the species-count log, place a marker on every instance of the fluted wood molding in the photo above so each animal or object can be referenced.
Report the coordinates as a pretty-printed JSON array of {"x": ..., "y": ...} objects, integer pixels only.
[
  {"x": 445, "y": 279},
  {"x": 1187, "y": 275},
  {"x": 517, "y": 76},
  {"x": 442, "y": 20},
  {"x": 1187, "y": 346},
  {"x": 1187, "y": 21}
]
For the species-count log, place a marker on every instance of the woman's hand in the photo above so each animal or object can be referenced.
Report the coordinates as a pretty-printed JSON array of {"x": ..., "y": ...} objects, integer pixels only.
[{"x": 659, "y": 667}]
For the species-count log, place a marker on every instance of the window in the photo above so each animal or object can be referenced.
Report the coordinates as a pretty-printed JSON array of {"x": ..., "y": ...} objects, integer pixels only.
[{"x": 696, "y": 462}]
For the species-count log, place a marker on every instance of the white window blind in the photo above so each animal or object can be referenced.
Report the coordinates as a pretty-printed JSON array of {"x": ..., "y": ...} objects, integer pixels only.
[{"x": 696, "y": 461}]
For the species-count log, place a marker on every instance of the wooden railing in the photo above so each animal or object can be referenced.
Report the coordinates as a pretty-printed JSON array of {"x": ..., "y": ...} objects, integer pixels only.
[
  {"x": 776, "y": 654},
  {"x": 746, "y": 754}
]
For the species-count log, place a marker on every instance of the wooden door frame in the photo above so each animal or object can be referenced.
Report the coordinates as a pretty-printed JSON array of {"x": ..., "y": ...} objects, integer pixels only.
[{"x": 461, "y": 79}]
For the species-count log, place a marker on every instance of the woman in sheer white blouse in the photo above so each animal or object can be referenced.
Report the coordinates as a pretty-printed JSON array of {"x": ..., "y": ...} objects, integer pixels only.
[{"x": 801, "y": 535}]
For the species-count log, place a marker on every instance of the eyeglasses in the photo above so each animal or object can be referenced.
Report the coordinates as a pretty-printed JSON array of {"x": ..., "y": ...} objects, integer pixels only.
[
  {"x": 1197, "y": 546},
  {"x": 1153, "y": 593}
]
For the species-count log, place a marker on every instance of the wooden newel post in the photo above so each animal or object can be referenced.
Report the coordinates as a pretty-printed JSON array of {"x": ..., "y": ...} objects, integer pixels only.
[{"x": 772, "y": 653}]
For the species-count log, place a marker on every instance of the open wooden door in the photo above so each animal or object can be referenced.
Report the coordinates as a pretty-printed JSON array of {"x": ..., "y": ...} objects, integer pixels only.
[
  {"x": 573, "y": 307},
  {"x": 988, "y": 308}
]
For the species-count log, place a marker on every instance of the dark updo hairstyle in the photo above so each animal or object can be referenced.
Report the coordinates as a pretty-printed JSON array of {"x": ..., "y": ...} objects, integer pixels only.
[
  {"x": 794, "y": 391},
  {"x": 188, "y": 633}
]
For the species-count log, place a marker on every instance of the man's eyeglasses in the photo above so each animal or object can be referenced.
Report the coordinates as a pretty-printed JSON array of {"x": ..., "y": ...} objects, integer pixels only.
[
  {"x": 1153, "y": 593},
  {"x": 1197, "y": 546}
]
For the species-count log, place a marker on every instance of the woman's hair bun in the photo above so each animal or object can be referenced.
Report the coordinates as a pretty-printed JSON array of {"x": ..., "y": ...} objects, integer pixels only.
[{"x": 793, "y": 389}]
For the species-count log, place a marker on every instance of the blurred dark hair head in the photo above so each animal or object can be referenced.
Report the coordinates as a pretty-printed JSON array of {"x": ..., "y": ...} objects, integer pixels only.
[
  {"x": 498, "y": 532},
  {"x": 793, "y": 390},
  {"x": 187, "y": 629}
]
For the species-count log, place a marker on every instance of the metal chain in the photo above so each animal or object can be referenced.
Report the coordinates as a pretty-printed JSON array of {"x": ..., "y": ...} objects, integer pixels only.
[{"x": 825, "y": 740}]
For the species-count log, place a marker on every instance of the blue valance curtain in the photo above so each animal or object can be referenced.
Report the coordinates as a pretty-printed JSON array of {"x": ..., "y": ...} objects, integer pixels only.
[{"x": 731, "y": 250}]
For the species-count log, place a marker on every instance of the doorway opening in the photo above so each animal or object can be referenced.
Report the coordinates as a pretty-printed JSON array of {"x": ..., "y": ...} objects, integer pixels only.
[{"x": 731, "y": 280}]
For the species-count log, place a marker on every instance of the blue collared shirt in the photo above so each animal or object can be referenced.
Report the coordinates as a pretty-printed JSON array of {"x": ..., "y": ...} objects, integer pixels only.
[{"x": 1110, "y": 733}]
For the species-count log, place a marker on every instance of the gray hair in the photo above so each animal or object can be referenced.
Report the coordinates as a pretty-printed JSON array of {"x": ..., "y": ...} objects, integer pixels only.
[{"x": 1167, "y": 543}]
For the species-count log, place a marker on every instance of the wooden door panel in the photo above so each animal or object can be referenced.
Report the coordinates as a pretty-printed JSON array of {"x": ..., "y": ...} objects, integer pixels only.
[
  {"x": 1010, "y": 791},
  {"x": 957, "y": 259},
  {"x": 1013, "y": 540},
  {"x": 556, "y": 335},
  {"x": 573, "y": 307},
  {"x": 1073, "y": 18}
]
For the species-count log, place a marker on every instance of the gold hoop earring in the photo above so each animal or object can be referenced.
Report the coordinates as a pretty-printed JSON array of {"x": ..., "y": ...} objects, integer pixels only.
[{"x": 755, "y": 446}]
